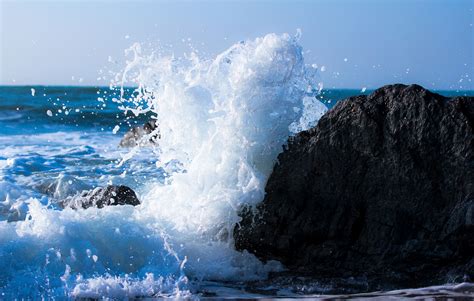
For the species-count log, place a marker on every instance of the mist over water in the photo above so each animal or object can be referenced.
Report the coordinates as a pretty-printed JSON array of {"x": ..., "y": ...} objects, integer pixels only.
[{"x": 222, "y": 123}]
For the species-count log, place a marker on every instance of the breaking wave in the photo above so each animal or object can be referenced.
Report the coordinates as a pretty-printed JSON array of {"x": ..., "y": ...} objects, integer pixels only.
[{"x": 222, "y": 123}]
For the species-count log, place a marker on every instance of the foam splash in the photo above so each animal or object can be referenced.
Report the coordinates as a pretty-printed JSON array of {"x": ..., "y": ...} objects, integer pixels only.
[
  {"x": 225, "y": 120},
  {"x": 222, "y": 123}
]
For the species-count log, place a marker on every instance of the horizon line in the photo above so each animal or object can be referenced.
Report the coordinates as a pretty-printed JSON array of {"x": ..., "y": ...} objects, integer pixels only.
[{"x": 130, "y": 87}]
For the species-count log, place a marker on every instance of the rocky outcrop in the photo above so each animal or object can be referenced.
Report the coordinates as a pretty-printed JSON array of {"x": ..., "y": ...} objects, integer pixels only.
[
  {"x": 135, "y": 136},
  {"x": 101, "y": 197},
  {"x": 382, "y": 188},
  {"x": 62, "y": 186}
]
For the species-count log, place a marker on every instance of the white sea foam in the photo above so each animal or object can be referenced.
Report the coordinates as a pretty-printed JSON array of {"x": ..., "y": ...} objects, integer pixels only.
[
  {"x": 222, "y": 123},
  {"x": 225, "y": 120}
]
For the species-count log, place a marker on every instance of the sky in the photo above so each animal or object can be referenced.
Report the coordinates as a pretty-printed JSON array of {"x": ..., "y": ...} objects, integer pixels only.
[{"x": 361, "y": 43}]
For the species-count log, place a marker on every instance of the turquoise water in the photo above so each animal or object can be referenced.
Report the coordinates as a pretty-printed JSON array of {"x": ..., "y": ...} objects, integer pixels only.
[
  {"x": 77, "y": 140},
  {"x": 58, "y": 141}
]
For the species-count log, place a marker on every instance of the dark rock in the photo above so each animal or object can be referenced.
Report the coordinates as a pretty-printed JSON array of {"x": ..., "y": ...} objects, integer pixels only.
[
  {"x": 62, "y": 186},
  {"x": 101, "y": 197},
  {"x": 135, "y": 136},
  {"x": 382, "y": 187}
]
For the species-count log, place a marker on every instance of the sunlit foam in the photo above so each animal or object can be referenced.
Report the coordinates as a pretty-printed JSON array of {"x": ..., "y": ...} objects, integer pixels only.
[{"x": 222, "y": 123}]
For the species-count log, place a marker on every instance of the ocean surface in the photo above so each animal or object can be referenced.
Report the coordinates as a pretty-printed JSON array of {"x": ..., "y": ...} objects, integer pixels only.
[{"x": 222, "y": 124}]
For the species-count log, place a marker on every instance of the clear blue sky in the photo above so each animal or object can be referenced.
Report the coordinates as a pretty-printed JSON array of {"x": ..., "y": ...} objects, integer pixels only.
[{"x": 427, "y": 42}]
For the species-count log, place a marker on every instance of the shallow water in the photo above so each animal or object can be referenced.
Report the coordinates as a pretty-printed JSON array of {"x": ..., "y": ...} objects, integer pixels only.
[{"x": 222, "y": 124}]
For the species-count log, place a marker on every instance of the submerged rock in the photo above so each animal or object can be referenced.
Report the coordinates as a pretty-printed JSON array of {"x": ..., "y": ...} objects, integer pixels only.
[
  {"x": 382, "y": 187},
  {"x": 101, "y": 197},
  {"x": 17, "y": 212},
  {"x": 62, "y": 186},
  {"x": 135, "y": 135}
]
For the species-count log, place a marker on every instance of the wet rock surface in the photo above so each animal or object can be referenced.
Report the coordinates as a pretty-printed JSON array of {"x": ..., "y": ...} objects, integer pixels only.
[
  {"x": 101, "y": 197},
  {"x": 381, "y": 188},
  {"x": 136, "y": 135},
  {"x": 62, "y": 186}
]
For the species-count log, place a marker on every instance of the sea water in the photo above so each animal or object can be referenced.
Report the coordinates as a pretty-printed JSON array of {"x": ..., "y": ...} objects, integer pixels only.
[{"x": 222, "y": 123}]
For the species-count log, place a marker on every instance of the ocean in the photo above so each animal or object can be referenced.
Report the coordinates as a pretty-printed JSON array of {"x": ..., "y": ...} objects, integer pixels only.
[{"x": 222, "y": 123}]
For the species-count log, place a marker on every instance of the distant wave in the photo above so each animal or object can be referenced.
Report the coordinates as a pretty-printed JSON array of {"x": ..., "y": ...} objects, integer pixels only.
[{"x": 4, "y": 116}]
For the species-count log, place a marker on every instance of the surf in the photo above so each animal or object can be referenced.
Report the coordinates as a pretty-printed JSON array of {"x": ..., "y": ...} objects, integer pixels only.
[{"x": 222, "y": 124}]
